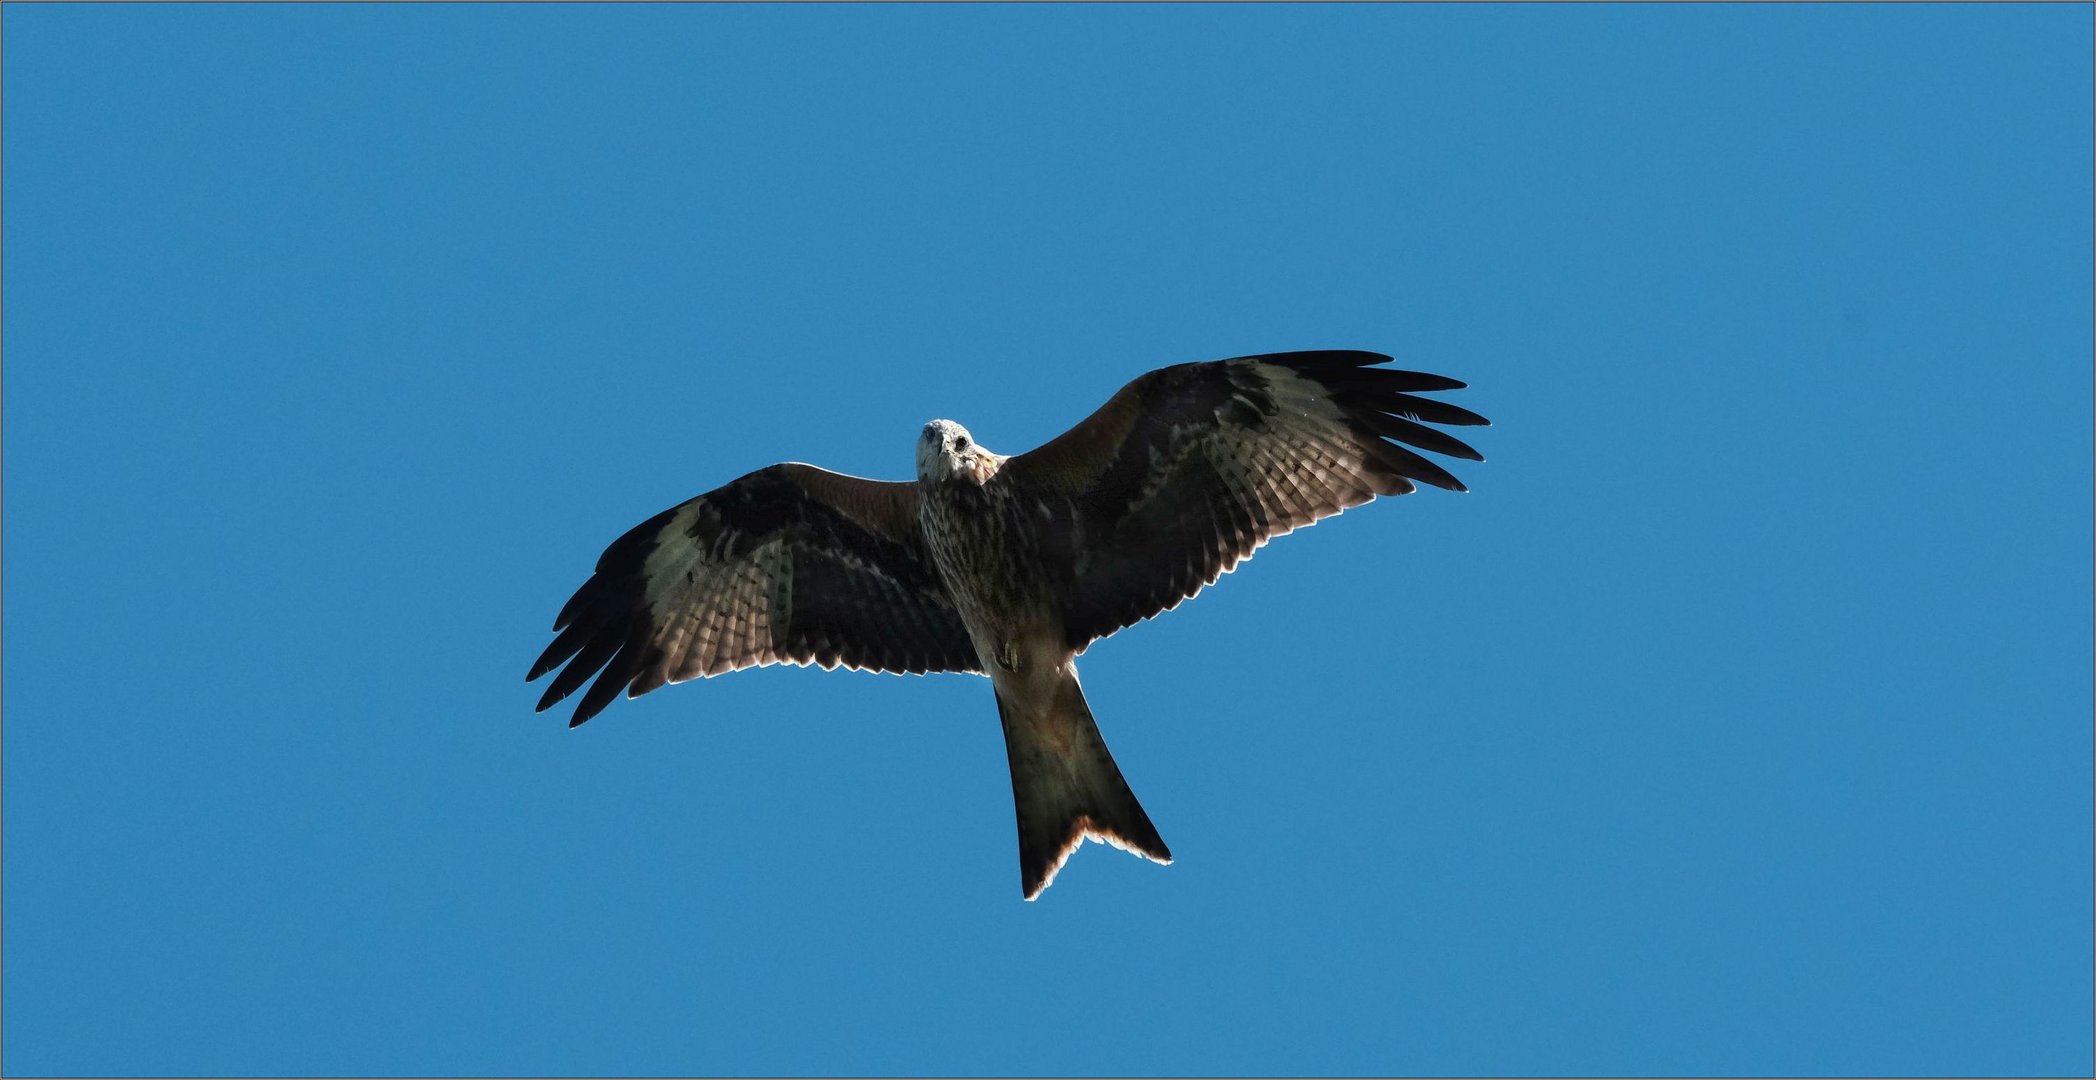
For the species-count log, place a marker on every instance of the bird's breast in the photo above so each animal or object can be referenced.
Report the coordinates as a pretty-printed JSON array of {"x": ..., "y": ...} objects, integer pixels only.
[{"x": 989, "y": 554}]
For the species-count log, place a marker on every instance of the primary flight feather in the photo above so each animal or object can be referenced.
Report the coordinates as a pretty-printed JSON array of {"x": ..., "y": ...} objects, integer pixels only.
[{"x": 1008, "y": 566}]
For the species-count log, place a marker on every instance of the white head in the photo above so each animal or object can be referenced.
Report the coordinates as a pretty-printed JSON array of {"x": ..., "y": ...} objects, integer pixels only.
[{"x": 945, "y": 452}]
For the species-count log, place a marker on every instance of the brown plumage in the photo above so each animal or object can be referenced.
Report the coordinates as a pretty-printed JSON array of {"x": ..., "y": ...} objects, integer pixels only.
[{"x": 1009, "y": 566}]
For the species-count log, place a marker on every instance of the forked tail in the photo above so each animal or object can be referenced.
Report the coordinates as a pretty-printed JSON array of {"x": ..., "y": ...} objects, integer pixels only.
[{"x": 1066, "y": 786}]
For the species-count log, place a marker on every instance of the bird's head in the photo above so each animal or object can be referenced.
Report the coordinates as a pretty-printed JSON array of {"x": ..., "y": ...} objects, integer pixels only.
[{"x": 945, "y": 452}]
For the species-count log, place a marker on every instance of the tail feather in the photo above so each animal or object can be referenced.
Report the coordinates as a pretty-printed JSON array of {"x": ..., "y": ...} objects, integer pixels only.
[{"x": 1065, "y": 786}]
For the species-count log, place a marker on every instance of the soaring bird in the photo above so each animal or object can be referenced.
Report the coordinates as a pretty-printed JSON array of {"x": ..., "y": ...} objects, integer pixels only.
[{"x": 1009, "y": 566}]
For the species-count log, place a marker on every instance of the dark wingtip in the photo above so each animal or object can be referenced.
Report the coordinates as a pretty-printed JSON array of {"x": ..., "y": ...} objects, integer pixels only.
[
  {"x": 588, "y": 707},
  {"x": 1405, "y": 463},
  {"x": 1416, "y": 434},
  {"x": 1419, "y": 381},
  {"x": 1320, "y": 359}
]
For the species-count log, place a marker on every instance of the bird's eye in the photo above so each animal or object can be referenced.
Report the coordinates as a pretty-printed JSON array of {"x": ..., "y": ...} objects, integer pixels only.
[{"x": 961, "y": 443}]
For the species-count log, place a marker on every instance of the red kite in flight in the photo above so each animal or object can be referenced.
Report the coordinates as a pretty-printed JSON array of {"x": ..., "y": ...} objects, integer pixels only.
[{"x": 1009, "y": 566}]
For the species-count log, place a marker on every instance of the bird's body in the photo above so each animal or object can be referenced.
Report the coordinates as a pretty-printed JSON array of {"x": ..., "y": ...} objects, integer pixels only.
[
  {"x": 1008, "y": 566},
  {"x": 1005, "y": 573},
  {"x": 993, "y": 567}
]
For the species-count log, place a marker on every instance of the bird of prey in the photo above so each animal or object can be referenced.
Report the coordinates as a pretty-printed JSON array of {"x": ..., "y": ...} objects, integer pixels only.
[{"x": 1009, "y": 566}]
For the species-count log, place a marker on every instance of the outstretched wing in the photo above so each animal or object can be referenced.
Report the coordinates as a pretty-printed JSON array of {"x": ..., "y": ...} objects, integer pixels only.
[
  {"x": 790, "y": 564},
  {"x": 1189, "y": 469}
]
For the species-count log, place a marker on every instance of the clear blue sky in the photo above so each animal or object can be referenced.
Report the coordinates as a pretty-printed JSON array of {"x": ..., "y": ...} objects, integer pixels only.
[{"x": 1738, "y": 720}]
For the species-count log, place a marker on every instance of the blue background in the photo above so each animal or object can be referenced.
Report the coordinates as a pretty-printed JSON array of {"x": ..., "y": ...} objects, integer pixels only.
[{"x": 1738, "y": 721}]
